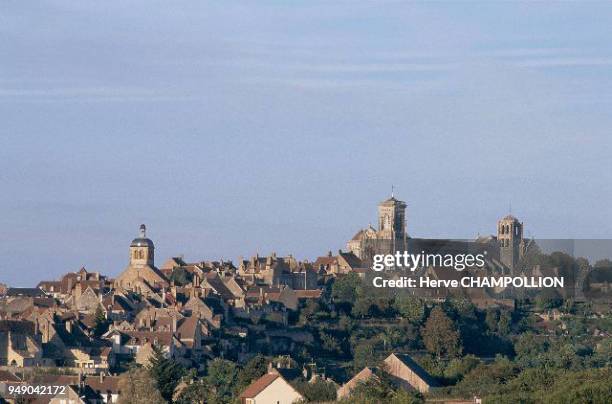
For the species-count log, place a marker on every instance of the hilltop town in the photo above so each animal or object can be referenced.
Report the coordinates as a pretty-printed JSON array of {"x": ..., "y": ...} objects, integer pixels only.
[{"x": 275, "y": 326}]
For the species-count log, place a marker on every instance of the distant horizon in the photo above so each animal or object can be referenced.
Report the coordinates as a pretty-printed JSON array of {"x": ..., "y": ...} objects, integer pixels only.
[
  {"x": 593, "y": 249},
  {"x": 236, "y": 128}
]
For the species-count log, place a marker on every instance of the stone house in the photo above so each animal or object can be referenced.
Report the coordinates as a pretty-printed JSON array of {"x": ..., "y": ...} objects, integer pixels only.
[{"x": 271, "y": 388}]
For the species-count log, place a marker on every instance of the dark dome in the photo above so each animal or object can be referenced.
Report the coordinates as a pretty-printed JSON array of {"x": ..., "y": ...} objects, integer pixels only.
[{"x": 142, "y": 242}]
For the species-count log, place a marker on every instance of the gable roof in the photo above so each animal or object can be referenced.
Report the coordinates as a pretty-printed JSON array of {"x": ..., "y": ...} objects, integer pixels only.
[
  {"x": 364, "y": 375},
  {"x": 415, "y": 368},
  {"x": 30, "y": 292},
  {"x": 351, "y": 259},
  {"x": 259, "y": 385}
]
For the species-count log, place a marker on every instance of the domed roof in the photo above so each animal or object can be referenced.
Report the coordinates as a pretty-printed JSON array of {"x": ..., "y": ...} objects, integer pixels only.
[{"x": 142, "y": 241}]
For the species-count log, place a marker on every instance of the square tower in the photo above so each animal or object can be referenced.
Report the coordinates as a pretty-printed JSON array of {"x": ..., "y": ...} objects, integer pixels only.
[
  {"x": 392, "y": 223},
  {"x": 510, "y": 239}
]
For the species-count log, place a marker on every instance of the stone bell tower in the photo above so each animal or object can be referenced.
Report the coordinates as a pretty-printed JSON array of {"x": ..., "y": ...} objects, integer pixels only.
[
  {"x": 142, "y": 250},
  {"x": 511, "y": 242},
  {"x": 392, "y": 223}
]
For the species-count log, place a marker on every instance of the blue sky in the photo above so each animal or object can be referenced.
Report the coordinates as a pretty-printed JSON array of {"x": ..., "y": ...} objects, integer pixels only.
[{"x": 232, "y": 128}]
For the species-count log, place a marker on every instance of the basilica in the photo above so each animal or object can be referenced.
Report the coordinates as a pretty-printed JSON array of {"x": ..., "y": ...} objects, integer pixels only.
[{"x": 506, "y": 248}]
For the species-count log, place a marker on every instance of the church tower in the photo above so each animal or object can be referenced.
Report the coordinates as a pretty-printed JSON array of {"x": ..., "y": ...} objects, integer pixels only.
[
  {"x": 142, "y": 250},
  {"x": 141, "y": 273},
  {"x": 511, "y": 242},
  {"x": 392, "y": 223}
]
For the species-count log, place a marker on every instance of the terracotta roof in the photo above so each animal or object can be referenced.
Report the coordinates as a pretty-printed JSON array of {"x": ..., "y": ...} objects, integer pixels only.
[
  {"x": 6, "y": 376},
  {"x": 327, "y": 260},
  {"x": 259, "y": 385},
  {"x": 187, "y": 327},
  {"x": 108, "y": 383},
  {"x": 163, "y": 338},
  {"x": 308, "y": 294}
]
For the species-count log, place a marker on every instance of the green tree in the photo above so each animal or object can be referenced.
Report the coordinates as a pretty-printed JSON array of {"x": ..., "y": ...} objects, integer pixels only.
[
  {"x": 222, "y": 377},
  {"x": 530, "y": 349},
  {"x": 603, "y": 263},
  {"x": 101, "y": 323},
  {"x": 492, "y": 318},
  {"x": 505, "y": 322},
  {"x": 548, "y": 299},
  {"x": 487, "y": 379},
  {"x": 410, "y": 307},
  {"x": 254, "y": 369},
  {"x": 364, "y": 354},
  {"x": 137, "y": 386},
  {"x": 457, "y": 368},
  {"x": 440, "y": 335},
  {"x": 344, "y": 289},
  {"x": 166, "y": 372},
  {"x": 329, "y": 343},
  {"x": 319, "y": 391},
  {"x": 196, "y": 392}
]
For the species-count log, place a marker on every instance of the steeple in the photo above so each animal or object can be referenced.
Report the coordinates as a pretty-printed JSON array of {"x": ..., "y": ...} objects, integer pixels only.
[{"x": 142, "y": 249}]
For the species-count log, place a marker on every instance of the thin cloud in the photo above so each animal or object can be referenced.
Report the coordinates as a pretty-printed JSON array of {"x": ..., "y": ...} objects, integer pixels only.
[
  {"x": 89, "y": 94},
  {"x": 564, "y": 62}
]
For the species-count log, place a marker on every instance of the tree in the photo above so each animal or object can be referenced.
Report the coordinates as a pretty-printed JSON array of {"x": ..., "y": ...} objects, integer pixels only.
[
  {"x": 440, "y": 335},
  {"x": 222, "y": 377},
  {"x": 457, "y": 368},
  {"x": 486, "y": 379},
  {"x": 548, "y": 299},
  {"x": 101, "y": 322},
  {"x": 166, "y": 372},
  {"x": 529, "y": 349},
  {"x": 345, "y": 288},
  {"x": 318, "y": 391},
  {"x": 411, "y": 308},
  {"x": 603, "y": 263},
  {"x": 196, "y": 392},
  {"x": 492, "y": 318},
  {"x": 380, "y": 389},
  {"x": 364, "y": 355},
  {"x": 329, "y": 343},
  {"x": 254, "y": 369},
  {"x": 505, "y": 321},
  {"x": 363, "y": 305},
  {"x": 137, "y": 386}
]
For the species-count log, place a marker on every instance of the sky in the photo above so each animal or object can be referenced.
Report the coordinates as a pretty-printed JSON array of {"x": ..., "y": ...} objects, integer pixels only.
[{"x": 235, "y": 128}]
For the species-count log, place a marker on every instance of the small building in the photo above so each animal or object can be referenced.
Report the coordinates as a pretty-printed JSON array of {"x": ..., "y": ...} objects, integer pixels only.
[
  {"x": 363, "y": 376},
  {"x": 407, "y": 373},
  {"x": 77, "y": 394},
  {"x": 271, "y": 388}
]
